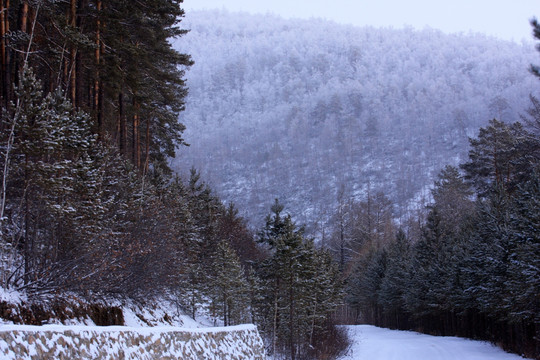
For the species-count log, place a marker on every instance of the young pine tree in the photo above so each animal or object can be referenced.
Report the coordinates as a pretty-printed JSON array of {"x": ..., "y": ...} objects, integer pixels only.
[
  {"x": 229, "y": 289},
  {"x": 300, "y": 286}
]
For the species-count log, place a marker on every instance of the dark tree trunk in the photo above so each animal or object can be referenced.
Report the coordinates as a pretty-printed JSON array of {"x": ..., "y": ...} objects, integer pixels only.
[
  {"x": 72, "y": 21},
  {"x": 98, "y": 92},
  {"x": 122, "y": 125},
  {"x": 3, "y": 51},
  {"x": 136, "y": 136},
  {"x": 147, "y": 145}
]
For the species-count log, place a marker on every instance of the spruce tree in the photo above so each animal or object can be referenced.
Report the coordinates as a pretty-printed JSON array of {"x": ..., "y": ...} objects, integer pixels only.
[
  {"x": 536, "y": 33},
  {"x": 51, "y": 157},
  {"x": 493, "y": 246},
  {"x": 394, "y": 284},
  {"x": 228, "y": 288},
  {"x": 501, "y": 155},
  {"x": 364, "y": 284},
  {"x": 523, "y": 285},
  {"x": 299, "y": 283},
  {"x": 427, "y": 271}
]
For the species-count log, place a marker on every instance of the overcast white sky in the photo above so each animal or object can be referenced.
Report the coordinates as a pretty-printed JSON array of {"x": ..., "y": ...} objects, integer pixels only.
[{"x": 507, "y": 19}]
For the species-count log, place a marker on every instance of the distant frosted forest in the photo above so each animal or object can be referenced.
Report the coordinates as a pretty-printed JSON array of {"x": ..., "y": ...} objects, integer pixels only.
[{"x": 305, "y": 110}]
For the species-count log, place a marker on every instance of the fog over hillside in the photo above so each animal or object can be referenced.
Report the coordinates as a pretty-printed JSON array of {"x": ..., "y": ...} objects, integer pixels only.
[{"x": 297, "y": 109}]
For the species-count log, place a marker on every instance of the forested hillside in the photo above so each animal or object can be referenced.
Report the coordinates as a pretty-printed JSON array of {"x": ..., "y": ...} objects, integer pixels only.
[
  {"x": 297, "y": 109},
  {"x": 91, "y": 213}
]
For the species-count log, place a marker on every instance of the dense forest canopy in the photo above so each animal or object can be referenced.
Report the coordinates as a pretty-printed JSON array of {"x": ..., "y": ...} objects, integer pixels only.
[{"x": 296, "y": 109}]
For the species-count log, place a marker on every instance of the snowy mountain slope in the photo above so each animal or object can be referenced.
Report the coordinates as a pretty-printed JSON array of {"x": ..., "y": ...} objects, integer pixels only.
[
  {"x": 295, "y": 109},
  {"x": 374, "y": 343}
]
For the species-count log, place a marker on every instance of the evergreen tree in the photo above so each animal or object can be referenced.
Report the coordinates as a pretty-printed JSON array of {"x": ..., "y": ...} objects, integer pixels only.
[
  {"x": 300, "y": 285},
  {"x": 452, "y": 197},
  {"x": 536, "y": 33},
  {"x": 51, "y": 158},
  {"x": 228, "y": 288},
  {"x": 326, "y": 290},
  {"x": 284, "y": 279},
  {"x": 395, "y": 282},
  {"x": 364, "y": 284},
  {"x": 277, "y": 226},
  {"x": 523, "y": 284},
  {"x": 490, "y": 247},
  {"x": 427, "y": 271},
  {"x": 501, "y": 156},
  {"x": 113, "y": 60}
]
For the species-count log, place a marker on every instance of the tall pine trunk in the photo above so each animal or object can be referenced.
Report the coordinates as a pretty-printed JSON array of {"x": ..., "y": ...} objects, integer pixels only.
[
  {"x": 147, "y": 149},
  {"x": 24, "y": 17},
  {"x": 275, "y": 320},
  {"x": 122, "y": 125},
  {"x": 98, "y": 92},
  {"x": 136, "y": 136},
  {"x": 72, "y": 21},
  {"x": 291, "y": 314},
  {"x": 3, "y": 50}
]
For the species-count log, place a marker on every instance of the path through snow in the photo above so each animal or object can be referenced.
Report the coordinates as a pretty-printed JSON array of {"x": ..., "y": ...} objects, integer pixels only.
[{"x": 370, "y": 342}]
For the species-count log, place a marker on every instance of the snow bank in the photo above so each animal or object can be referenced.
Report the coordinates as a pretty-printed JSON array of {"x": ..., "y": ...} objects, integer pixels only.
[{"x": 120, "y": 342}]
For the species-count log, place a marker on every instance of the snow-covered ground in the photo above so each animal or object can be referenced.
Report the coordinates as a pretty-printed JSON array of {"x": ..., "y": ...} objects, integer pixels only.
[{"x": 370, "y": 342}]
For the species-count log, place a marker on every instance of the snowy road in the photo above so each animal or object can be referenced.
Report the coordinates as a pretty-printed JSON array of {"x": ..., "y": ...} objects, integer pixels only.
[{"x": 372, "y": 343}]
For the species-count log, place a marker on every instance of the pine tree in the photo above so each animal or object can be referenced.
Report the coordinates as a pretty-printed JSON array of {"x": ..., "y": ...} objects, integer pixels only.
[
  {"x": 112, "y": 59},
  {"x": 300, "y": 285},
  {"x": 143, "y": 74},
  {"x": 326, "y": 292},
  {"x": 229, "y": 289},
  {"x": 536, "y": 33},
  {"x": 394, "y": 284},
  {"x": 501, "y": 156},
  {"x": 490, "y": 254},
  {"x": 427, "y": 271},
  {"x": 452, "y": 197},
  {"x": 364, "y": 284},
  {"x": 523, "y": 284},
  {"x": 52, "y": 153}
]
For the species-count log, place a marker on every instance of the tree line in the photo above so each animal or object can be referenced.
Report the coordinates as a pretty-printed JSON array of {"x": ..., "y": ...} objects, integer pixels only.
[
  {"x": 468, "y": 263},
  {"x": 112, "y": 60},
  {"x": 468, "y": 266}
]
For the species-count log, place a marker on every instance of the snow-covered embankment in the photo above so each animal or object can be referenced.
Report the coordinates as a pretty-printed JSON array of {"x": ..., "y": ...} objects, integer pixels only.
[{"x": 119, "y": 342}]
